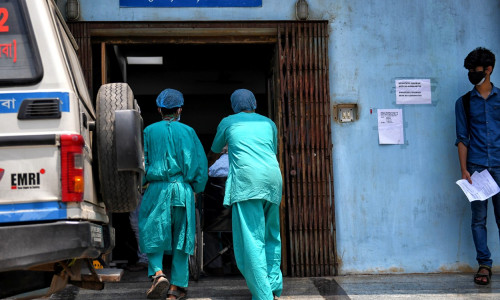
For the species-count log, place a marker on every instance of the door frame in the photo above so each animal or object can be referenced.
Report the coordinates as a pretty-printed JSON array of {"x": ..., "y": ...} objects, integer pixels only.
[{"x": 297, "y": 258}]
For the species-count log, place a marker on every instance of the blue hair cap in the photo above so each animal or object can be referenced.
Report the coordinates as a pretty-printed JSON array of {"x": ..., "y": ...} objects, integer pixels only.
[
  {"x": 243, "y": 99},
  {"x": 170, "y": 98}
]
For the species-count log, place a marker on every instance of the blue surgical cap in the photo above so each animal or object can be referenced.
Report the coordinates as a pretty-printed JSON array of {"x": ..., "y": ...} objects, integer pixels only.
[
  {"x": 243, "y": 99},
  {"x": 170, "y": 98}
]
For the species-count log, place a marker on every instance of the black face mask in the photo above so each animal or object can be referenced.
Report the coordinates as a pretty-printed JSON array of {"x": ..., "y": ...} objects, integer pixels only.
[{"x": 476, "y": 77}]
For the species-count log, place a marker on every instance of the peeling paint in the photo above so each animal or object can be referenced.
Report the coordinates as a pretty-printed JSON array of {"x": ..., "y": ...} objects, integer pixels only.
[{"x": 457, "y": 268}]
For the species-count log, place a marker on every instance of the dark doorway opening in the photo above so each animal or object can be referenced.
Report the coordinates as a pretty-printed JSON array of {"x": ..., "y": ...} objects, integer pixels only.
[{"x": 206, "y": 74}]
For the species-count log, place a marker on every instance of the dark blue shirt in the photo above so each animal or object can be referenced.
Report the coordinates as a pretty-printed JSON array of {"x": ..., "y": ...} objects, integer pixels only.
[{"x": 482, "y": 139}]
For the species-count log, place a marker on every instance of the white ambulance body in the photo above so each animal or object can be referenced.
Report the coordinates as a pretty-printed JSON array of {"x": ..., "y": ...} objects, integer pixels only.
[{"x": 61, "y": 171}]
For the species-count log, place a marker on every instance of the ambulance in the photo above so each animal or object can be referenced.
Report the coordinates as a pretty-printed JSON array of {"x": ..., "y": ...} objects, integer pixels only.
[{"x": 66, "y": 160}]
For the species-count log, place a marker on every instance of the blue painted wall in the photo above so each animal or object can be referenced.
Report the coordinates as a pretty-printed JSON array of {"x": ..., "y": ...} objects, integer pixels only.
[{"x": 398, "y": 208}]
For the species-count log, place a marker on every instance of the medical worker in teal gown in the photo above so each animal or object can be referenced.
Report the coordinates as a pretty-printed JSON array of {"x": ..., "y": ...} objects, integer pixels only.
[
  {"x": 175, "y": 168},
  {"x": 253, "y": 190}
]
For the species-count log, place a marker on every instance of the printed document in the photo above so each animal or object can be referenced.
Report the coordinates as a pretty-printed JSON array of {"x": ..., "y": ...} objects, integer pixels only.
[
  {"x": 483, "y": 186},
  {"x": 413, "y": 91},
  {"x": 390, "y": 126}
]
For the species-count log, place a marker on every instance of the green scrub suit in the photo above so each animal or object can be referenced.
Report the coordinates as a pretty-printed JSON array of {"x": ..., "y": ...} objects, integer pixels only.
[
  {"x": 175, "y": 167},
  {"x": 253, "y": 189}
]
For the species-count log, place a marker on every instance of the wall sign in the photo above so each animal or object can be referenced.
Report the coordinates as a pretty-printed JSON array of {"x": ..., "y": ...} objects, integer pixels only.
[
  {"x": 390, "y": 126},
  {"x": 413, "y": 91},
  {"x": 190, "y": 3}
]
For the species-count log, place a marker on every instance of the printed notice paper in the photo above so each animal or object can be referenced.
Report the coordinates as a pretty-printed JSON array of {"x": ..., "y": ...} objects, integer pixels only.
[
  {"x": 483, "y": 186},
  {"x": 390, "y": 126},
  {"x": 413, "y": 91}
]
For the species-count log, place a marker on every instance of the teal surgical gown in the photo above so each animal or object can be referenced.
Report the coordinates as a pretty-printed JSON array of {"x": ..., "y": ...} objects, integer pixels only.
[
  {"x": 175, "y": 167},
  {"x": 254, "y": 172},
  {"x": 253, "y": 190}
]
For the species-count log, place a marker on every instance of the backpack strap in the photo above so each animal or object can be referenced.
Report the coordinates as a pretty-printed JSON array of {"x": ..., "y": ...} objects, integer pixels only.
[{"x": 466, "y": 104}]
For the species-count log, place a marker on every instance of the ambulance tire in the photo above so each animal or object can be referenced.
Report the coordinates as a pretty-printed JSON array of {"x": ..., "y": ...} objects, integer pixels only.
[{"x": 120, "y": 191}]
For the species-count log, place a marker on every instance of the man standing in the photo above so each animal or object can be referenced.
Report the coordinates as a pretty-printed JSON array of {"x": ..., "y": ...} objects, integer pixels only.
[
  {"x": 253, "y": 190},
  {"x": 176, "y": 166},
  {"x": 478, "y": 140}
]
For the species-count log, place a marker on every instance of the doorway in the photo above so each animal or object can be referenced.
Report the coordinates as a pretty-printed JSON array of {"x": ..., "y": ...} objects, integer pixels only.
[
  {"x": 285, "y": 63},
  {"x": 206, "y": 75}
]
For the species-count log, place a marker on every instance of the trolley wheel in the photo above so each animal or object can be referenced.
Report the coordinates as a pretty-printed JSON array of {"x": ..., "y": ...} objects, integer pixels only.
[{"x": 195, "y": 260}]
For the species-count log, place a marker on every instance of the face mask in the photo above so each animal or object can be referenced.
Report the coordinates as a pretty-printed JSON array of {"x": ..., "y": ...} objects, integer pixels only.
[
  {"x": 477, "y": 78},
  {"x": 172, "y": 118}
]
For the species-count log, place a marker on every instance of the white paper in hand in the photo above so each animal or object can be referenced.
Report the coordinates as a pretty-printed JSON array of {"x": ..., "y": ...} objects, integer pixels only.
[{"x": 483, "y": 186}]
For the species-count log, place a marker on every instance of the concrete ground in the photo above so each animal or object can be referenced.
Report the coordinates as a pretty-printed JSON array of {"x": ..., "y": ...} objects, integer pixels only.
[{"x": 415, "y": 286}]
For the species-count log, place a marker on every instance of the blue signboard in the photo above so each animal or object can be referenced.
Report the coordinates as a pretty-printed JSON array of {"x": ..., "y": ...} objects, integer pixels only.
[{"x": 190, "y": 3}]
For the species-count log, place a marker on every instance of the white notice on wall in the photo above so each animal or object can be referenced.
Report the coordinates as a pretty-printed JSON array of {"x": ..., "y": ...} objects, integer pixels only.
[
  {"x": 413, "y": 91},
  {"x": 390, "y": 126}
]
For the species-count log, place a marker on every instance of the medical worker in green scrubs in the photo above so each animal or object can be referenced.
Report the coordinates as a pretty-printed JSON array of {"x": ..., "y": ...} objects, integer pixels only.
[
  {"x": 176, "y": 168},
  {"x": 253, "y": 190}
]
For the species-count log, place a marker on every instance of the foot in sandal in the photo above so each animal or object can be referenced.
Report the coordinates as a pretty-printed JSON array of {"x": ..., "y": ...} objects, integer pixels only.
[
  {"x": 160, "y": 283},
  {"x": 176, "y": 292},
  {"x": 483, "y": 275}
]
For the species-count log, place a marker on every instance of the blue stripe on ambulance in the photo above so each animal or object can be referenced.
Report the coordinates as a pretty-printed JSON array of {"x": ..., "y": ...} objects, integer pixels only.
[
  {"x": 10, "y": 102},
  {"x": 25, "y": 212}
]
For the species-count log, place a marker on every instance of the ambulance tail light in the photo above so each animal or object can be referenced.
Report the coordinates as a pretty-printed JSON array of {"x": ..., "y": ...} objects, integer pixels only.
[{"x": 72, "y": 167}]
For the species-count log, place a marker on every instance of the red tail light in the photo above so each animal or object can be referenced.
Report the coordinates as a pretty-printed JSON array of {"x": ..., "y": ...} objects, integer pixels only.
[{"x": 72, "y": 167}]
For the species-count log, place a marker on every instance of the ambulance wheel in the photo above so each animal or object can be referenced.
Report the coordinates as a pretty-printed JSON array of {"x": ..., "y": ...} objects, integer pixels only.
[
  {"x": 195, "y": 262},
  {"x": 120, "y": 190}
]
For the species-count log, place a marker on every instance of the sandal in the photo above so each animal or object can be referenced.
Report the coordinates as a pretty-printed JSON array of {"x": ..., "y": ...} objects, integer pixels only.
[
  {"x": 478, "y": 277},
  {"x": 160, "y": 283},
  {"x": 179, "y": 293}
]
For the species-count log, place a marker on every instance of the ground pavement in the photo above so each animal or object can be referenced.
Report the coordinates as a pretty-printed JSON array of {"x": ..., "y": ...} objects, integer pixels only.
[{"x": 414, "y": 286}]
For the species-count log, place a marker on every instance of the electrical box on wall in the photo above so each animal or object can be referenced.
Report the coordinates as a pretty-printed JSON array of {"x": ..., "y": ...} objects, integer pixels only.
[{"x": 345, "y": 113}]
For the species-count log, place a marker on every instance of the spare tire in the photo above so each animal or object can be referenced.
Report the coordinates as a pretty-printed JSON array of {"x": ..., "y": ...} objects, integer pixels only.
[{"x": 120, "y": 190}]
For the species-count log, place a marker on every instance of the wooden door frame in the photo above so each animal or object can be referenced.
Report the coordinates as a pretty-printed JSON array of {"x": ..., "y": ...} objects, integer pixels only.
[{"x": 231, "y": 32}]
